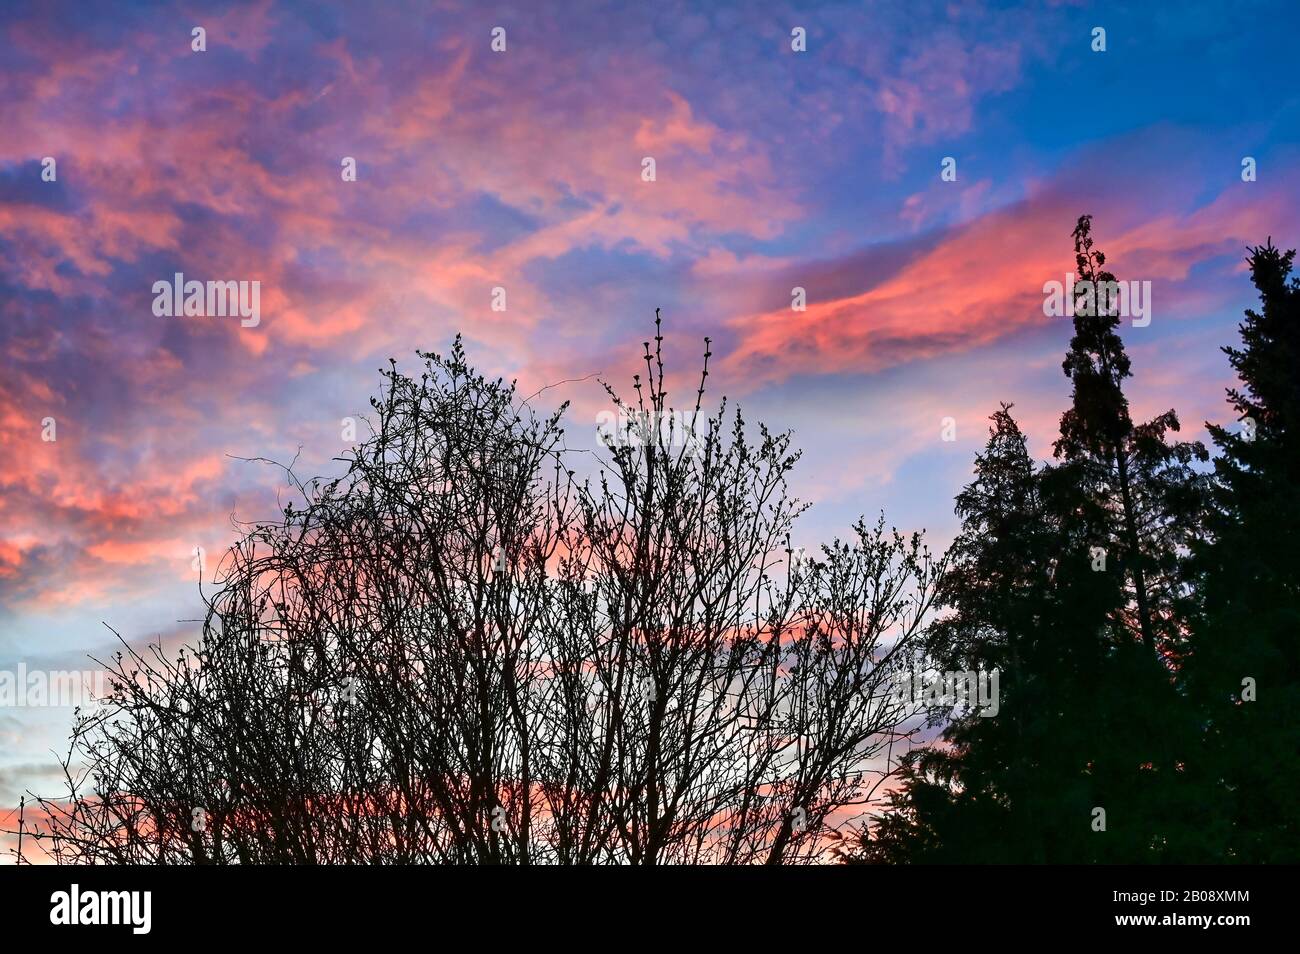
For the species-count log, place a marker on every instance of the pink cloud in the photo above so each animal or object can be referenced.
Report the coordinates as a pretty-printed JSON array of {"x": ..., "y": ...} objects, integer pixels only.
[{"x": 984, "y": 281}]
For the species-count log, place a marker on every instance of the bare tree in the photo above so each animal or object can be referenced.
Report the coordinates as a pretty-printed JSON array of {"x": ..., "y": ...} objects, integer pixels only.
[{"x": 461, "y": 651}]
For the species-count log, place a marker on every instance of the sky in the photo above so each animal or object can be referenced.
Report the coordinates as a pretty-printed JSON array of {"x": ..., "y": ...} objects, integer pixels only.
[{"x": 523, "y": 169}]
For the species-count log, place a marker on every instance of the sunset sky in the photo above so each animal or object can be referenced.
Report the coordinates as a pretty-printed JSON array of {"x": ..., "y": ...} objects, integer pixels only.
[{"x": 522, "y": 169}]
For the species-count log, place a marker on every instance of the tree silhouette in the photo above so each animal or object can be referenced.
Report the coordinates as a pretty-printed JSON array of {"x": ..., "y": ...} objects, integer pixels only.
[
  {"x": 1244, "y": 669},
  {"x": 461, "y": 651},
  {"x": 970, "y": 799},
  {"x": 1146, "y": 487},
  {"x": 1023, "y": 600},
  {"x": 1071, "y": 580}
]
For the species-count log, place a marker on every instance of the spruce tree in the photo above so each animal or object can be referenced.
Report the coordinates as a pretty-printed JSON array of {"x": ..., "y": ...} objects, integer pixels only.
[
  {"x": 1244, "y": 669},
  {"x": 1145, "y": 484},
  {"x": 1071, "y": 580},
  {"x": 1134, "y": 494},
  {"x": 1018, "y": 786}
]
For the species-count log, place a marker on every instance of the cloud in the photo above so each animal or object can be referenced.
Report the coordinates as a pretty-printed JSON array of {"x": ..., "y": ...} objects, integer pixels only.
[{"x": 982, "y": 281}]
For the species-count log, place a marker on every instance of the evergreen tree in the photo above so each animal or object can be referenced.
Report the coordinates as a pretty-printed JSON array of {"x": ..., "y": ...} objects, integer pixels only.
[
  {"x": 1249, "y": 583},
  {"x": 1016, "y": 787},
  {"x": 1070, "y": 579},
  {"x": 1145, "y": 485},
  {"x": 1136, "y": 495}
]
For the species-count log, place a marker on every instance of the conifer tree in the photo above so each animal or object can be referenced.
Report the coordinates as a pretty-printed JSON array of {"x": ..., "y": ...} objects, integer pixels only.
[
  {"x": 965, "y": 801},
  {"x": 1145, "y": 485},
  {"x": 1244, "y": 669},
  {"x": 1070, "y": 579}
]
